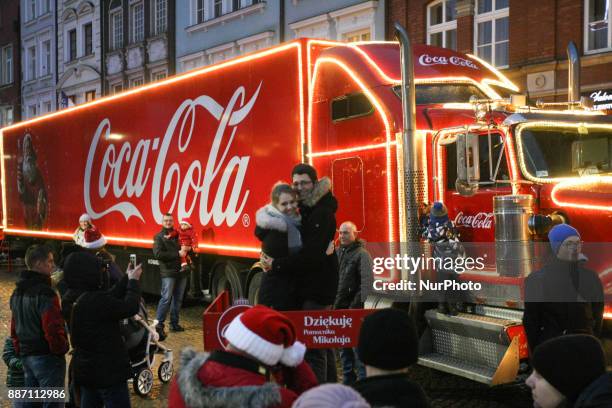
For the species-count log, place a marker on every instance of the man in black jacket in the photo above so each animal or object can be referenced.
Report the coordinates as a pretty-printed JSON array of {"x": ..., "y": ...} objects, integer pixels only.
[
  {"x": 563, "y": 297},
  {"x": 167, "y": 251},
  {"x": 315, "y": 266},
  {"x": 37, "y": 325},
  {"x": 354, "y": 261},
  {"x": 100, "y": 365}
]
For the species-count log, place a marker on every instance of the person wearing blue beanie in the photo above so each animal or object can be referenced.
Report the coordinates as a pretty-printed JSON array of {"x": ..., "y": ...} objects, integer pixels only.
[
  {"x": 563, "y": 297},
  {"x": 559, "y": 233}
]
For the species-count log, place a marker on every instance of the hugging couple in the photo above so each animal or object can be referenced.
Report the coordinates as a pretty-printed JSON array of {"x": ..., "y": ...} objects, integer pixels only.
[{"x": 297, "y": 230}]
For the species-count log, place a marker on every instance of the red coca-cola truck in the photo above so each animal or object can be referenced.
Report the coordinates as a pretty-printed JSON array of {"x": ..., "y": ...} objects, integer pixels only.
[{"x": 209, "y": 145}]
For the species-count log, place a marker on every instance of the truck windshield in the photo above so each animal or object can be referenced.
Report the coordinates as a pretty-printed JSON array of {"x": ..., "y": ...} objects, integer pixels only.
[
  {"x": 443, "y": 93},
  {"x": 553, "y": 152}
]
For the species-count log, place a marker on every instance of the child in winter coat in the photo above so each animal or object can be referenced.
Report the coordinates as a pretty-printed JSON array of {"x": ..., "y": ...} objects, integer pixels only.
[
  {"x": 14, "y": 374},
  {"x": 188, "y": 241},
  {"x": 441, "y": 233}
]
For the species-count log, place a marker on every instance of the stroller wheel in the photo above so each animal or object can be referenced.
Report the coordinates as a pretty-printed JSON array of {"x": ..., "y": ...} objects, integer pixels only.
[
  {"x": 165, "y": 371},
  {"x": 143, "y": 382}
]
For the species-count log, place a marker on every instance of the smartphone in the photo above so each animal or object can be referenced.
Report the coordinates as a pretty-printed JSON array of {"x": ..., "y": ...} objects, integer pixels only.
[{"x": 133, "y": 260}]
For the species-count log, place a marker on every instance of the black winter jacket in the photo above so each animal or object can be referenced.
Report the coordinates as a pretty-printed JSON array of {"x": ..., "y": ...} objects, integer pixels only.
[
  {"x": 37, "y": 326},
  {"x": 278, "y": 288},
  {"x": 353, "y": 261},
  {"x": 596, "y": 395},
  {"x": 100, "y": 358},
  {"x": 562, "y": 298},
  {"x": 317, "y": 273},
  {"x": 392, "y": 391},
  {"x": 166, "y": 251}
]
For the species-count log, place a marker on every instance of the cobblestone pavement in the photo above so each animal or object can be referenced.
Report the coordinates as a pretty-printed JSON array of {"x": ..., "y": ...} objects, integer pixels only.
[{"x": 443, "y": 389}]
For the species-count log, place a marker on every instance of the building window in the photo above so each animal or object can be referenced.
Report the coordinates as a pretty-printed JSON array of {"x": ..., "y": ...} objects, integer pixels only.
[
  {"x": 45, "y": 6},
  {"x": 116, "y": 30},
  {"x": 134, "y": 82},
  {"x": 116, "y": 88},
  {"x": 46, "y": 107},
  {"x": 6, "y": 65},
  {"x": 597, "y": 31},
  {"x": 217, "y": 8},
  {"x": 137, "y": 12},
  {"x": 32, "y": 111},
  {"x": 442, "y": 24},
  {"x": 6, "y": 116},
  {"x": 199, "y": 11},
  {"x": 45, "y": 69},
  {"x": 158, "y": 76},
  {"x": 88, "y": 39},
  {"x": 235, "y": 5},
  {"x": 160, "y": 13},
  {"x": 72, "y": 45},
  {"x": 31, "y": 9},
  {"x": 492, "y": 31},
  {"x": 90, "y": 96},
  {"x": 361, "y": 35},
  {"x": 31, "y": 63}
]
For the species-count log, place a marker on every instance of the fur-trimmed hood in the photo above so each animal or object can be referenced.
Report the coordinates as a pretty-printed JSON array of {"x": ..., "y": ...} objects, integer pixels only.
[
  {"x": 196, "y": 394},
  {"x": 321, "y": 188},
  {"x": 268, "y": 217}
]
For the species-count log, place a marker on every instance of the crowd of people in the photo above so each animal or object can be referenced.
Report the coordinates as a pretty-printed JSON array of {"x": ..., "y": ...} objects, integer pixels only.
[{"x": 264, "y": 363}]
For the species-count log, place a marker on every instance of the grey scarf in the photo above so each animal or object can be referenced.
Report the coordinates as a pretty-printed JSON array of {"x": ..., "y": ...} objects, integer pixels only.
[{"x": 294, "y": 238}]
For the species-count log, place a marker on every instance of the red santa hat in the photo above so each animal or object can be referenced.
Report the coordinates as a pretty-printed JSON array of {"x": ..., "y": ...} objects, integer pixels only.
[
  {"x": 267, "y": 335},
  {"x": 93, "y": 239},
  {"x": 186, "y": 221}
]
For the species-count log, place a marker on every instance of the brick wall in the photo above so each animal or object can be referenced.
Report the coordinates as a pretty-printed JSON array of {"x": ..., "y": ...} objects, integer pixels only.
[{"x": 9, "y": 34}]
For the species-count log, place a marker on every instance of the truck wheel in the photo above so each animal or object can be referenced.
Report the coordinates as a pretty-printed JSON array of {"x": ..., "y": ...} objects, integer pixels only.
[
  {"x": 226, "y": 276},
  {"x": 254, "y": 285}
]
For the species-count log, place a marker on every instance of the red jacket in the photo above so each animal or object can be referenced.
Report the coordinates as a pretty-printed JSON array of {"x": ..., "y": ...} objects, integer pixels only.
[{"x": 224, "y": 379}]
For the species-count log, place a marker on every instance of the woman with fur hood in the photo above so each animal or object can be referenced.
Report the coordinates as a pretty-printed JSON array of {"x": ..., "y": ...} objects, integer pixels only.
[{"x": 278, "y": 229}]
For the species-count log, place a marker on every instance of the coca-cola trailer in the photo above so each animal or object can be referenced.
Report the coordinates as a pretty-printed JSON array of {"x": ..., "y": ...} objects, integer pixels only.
[{"x": 209, "y": 144}]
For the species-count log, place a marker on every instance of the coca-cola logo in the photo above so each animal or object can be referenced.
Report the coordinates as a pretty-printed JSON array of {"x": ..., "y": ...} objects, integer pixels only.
[
  {"x": 124, "y": 173},
  {"x": 481, "y": 220},
  {"x": 429, "y": 60},
  {"x": 225, "y": 320}
]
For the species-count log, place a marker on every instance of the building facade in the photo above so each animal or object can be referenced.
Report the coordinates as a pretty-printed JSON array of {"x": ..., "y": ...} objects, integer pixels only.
[
  {"x": 79, "y": 52},
  {"x": 210, "y": 31},
  {"x": 138, "y": 42},
  {"x": 39, "y": 59},
  {"x": 526, "y": 39},
  {"x": 10, "y": 66}
]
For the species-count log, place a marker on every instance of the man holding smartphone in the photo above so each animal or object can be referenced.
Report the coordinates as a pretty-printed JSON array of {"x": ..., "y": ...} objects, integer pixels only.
[{"x": 167, "y": 251}]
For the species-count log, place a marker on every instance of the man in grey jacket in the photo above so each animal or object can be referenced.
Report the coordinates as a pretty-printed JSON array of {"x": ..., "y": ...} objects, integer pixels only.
[
  {"x": 355, "y": 262},
  {"x": 167, "y": 251}
]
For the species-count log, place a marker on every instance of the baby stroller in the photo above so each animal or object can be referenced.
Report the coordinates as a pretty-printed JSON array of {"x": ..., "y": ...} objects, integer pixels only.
[{"x": 142, "y": 342}]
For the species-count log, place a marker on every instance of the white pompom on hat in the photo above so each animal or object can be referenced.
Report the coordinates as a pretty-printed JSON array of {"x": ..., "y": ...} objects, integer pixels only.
[{"x": 267, "y": 335}]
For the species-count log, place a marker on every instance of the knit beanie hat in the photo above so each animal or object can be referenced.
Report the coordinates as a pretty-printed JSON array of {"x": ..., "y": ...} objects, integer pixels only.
[
  {"x": 93, "y": 239},
  {"x": 560, "y": 233},
  {"x": 570, "y": 362},
  {"x": 267, "y": 335},
  {"x": 397, "y": 348},
  {"x": 85, "y": 217},
  {"x": 438, "y": 213},
  {"x": 304, "y": 168},
  {"x": 331, "y": 396}
]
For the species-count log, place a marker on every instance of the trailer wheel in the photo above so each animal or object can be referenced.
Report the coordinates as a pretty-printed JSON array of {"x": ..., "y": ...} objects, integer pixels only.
[
  {"x": 254, "y": 286},
  {"x": 226, "y": 276}
]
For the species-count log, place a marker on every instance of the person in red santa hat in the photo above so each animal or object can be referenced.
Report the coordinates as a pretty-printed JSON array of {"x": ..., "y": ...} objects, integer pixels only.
[
  {"x": 188, "y": 240},
  {"x": 262, "y": 366},
  {"x": 95, "y": 243}
]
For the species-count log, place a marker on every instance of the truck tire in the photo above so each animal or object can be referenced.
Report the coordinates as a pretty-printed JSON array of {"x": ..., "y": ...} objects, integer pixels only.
[
  {"x": 226, "y": 276},
  {"x": 254, "y": 284}
]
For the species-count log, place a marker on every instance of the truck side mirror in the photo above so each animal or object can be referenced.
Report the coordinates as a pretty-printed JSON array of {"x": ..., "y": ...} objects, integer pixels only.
[{"x": 468, "y": 169}]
